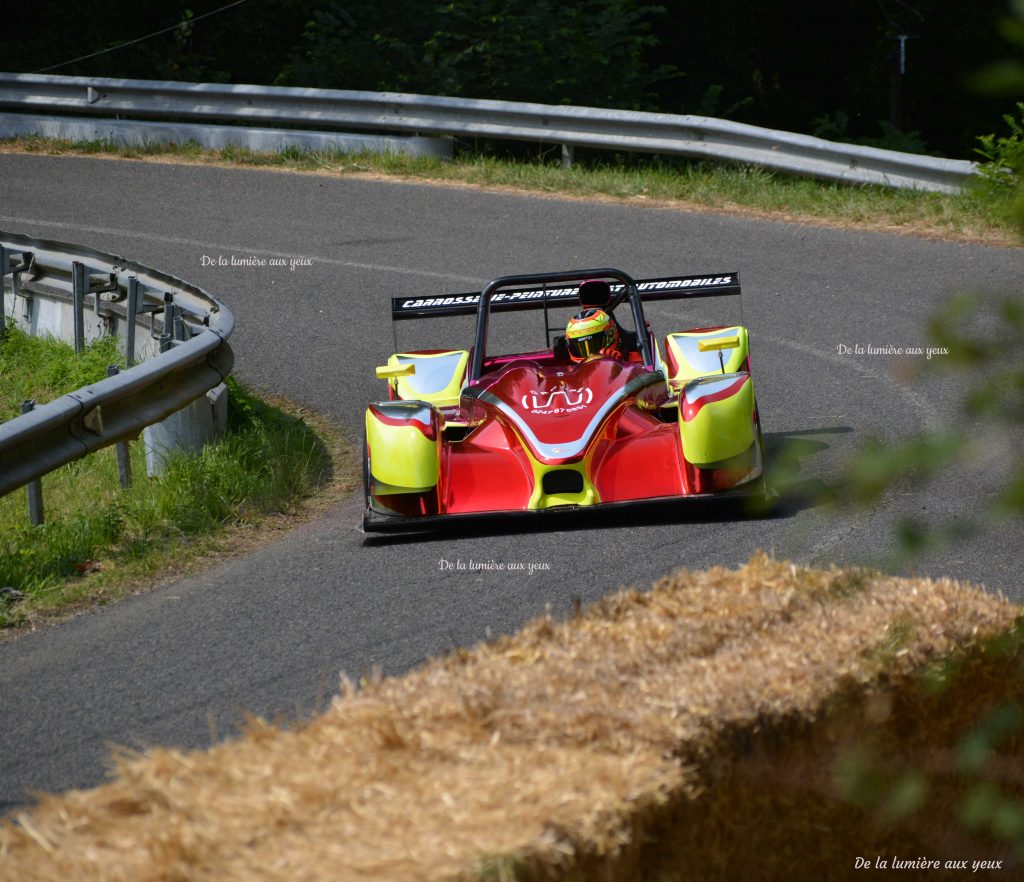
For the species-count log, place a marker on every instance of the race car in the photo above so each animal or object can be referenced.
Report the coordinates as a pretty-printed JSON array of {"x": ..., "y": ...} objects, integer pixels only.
[{"x": 601, "y": 416}]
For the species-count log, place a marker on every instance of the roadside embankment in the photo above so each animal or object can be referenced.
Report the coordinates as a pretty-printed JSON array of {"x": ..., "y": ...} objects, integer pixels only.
[
  {"x": 982, "y": 214},
  {"x": 100, "y": 541}
]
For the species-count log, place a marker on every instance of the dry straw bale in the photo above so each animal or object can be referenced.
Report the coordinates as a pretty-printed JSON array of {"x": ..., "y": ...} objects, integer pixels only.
[
  {"x": 774, "y": 811},
  {"x": 542, "y": 749}
]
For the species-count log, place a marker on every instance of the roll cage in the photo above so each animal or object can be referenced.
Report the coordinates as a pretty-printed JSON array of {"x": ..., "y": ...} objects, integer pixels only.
[{"x": 538, "y": 283}]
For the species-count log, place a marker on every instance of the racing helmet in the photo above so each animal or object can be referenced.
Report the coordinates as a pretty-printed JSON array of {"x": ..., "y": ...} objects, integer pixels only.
[{"x": 589, "y": 332}]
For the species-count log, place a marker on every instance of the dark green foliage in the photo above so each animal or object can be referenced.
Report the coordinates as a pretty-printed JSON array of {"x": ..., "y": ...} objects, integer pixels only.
[
  {"x": 976, "y": 749},
  {"x": 242, "y": 45},
  {"x": 589, "y": 52},
  {"x": 980, "y": 770},
  {"x": 1006, "y": 75},
  {"x": 878, "y": 466},
  {"x": 983, "y": 336},
  {"x": 964, "y": 772},
  {"x": 1004, "y": 155},
  {"x": 779, "y": 65},
  {"x": 835, "y": 128},
  {"x": 1004, "y": 166},
  {"x": 869, "y": 786},
  {"x": 785, "y": 65}
]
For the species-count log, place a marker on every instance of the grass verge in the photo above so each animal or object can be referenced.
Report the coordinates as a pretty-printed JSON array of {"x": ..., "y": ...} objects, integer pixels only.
[
  {"x": 98, "y": 541},
  {"x": 983, "y": 214},
  {"x": 622, "y": 743}
]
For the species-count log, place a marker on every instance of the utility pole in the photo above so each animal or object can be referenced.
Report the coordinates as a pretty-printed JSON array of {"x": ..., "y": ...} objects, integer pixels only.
[{"x": 897, "y": 73}]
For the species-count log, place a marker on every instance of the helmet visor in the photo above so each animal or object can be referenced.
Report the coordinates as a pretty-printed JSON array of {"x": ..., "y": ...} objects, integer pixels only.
[{"x": 588, "y": 345}]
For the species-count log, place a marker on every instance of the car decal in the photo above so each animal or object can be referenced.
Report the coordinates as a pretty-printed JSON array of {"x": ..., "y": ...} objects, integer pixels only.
[
  {"x": 548, "y": 402},
  {"x": 526, "y": 298},
  {"x": 567, "y": 450}
]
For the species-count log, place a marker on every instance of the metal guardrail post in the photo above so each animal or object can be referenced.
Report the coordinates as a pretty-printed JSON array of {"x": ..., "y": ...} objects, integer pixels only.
[
  {"x": 124, "y": 461},
  {"x": 9, "y": 268},
  {"x": 132, "y": 303},
  {"x": 568, "y": 155},
  {"x": 80, "y": 284},
  {"x": 26, "y": 299},
  {"x": 179, "y": 331},
  {"x": 4, "y": 269},
  {"x": 34, "y": 488},
  {"x": 167, "y": 335},
  {"x": 104, "y": 320}
]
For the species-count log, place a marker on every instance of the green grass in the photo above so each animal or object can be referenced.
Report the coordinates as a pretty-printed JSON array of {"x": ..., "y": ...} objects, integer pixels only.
[
  {"x": 983, "y": 213},
  {"x": 43, "y": 369},
  {"x": 99, "y": 540}
]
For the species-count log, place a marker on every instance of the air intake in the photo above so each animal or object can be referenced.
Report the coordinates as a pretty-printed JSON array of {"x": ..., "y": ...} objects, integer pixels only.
[{"x": 562, "y": 481}]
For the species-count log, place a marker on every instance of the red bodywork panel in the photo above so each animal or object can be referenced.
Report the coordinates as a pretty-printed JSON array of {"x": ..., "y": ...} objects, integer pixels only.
[
  {"x": 561, "y": 414},
  {"x": 486, "y": 472},
  {"x": 554, "y": 408}
]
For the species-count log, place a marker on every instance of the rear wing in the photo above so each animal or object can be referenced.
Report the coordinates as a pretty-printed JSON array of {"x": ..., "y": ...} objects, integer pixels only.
[{"x": 509, "y": 300}]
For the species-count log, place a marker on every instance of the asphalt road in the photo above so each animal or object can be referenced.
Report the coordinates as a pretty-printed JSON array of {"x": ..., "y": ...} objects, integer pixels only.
[{"x": 270, "y": 632}]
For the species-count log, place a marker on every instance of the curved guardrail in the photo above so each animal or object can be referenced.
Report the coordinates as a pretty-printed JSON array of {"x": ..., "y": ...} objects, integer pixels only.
[
  {"x": 195, "y": 357},
  {"x": 669, "y": 134}
]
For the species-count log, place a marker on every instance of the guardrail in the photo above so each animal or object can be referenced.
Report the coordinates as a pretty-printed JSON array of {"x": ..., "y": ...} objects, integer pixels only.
[
  {"x": 187, "y": 331},
  {"x": 630, "y": 131}
]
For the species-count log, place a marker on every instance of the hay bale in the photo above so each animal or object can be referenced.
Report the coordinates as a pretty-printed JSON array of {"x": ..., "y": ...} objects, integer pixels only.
[{"x": 543, "y": 753}]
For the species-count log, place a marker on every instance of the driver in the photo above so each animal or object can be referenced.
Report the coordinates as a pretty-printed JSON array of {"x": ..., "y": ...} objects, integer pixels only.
[
  {"x": 590, "y": 333},
  {"x": 598, "y": 293}
]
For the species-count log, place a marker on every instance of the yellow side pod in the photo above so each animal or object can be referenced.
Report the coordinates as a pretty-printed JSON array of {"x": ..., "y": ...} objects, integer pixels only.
[
  {"x": 404, "y": 441},
  {"x": 716, "y": 418}
]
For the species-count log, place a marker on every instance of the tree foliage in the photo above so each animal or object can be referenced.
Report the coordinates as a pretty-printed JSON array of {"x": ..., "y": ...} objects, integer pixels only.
[
  {"x": 1004, "y": 154},
  {"x": 781, "y": 65},
  {"x": 984, "y": 335},
  {"x": 589, "y": 52}
]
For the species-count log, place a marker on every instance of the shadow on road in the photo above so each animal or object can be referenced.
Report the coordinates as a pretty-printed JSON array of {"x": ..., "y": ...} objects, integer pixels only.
[{"x": 786, "y": 454}]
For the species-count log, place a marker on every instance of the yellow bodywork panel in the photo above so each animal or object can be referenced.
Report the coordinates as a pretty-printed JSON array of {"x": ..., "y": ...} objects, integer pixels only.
[
  {"x": 716, "y": 418},
  {"x": 696, "y": 353},
  {"x": 719, "y": 343},
  {"x": 436, "y": 378},
  {"x": 393, "y": 371},
  {"x": 539, "y": 499},
  {"x": 402, "y": 457}
]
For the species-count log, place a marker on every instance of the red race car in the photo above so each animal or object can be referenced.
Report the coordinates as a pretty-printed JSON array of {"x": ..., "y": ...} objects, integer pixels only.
[{"x": 602, "y": 416}]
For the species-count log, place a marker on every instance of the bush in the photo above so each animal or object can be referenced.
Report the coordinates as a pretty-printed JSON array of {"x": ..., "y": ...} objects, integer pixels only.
[{"x": 1003, "y": 167}]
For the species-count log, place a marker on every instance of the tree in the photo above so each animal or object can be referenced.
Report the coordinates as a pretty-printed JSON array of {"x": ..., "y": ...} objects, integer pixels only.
[{"x": 591, "y": 52}]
